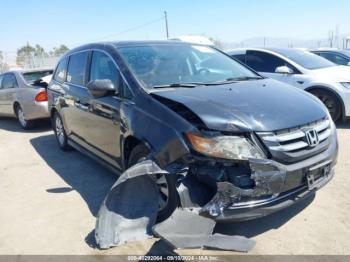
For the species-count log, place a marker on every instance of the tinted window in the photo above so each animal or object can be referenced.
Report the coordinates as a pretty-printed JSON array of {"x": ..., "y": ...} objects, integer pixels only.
[
  {"x": 9, "y": 81},
  {"x": 126, "y": 91},
  {"x": 264, "y": 62},
  {"x": 240, "y": 58},
  {"x": 345, "y": 52},
  {"x": 306, "y": 59},
  {"x": 339, "y": 60},
  {"x": 76, "y": 68},
  {"x": 102, "y": 67},
  {"x": 61, "y": 71}
]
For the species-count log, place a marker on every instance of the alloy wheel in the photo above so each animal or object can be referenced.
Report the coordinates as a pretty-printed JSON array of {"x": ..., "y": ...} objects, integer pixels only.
[
  {"x": 59, "y": 131},
  {"x": 163, "y": 188},
  {"x": 330, "y": 104},
  {"x": 21, "y": 118}
]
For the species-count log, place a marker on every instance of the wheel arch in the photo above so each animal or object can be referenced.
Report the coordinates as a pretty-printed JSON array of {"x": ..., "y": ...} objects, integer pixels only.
[
  {"x": 128, "y": 144},
  {"x": 14, "y": 106},
  {"x": 53, "y": 110},
  {"x": 327, "y": 89}
]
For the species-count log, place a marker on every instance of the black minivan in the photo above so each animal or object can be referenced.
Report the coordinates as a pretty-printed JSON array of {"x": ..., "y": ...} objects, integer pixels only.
[{"x": 220, "y": 126}]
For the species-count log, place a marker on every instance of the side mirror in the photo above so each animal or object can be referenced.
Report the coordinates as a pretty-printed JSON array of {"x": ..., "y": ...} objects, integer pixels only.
[
  {"x": 284, "y": 70},
  {"x": 101, "y": 87}
]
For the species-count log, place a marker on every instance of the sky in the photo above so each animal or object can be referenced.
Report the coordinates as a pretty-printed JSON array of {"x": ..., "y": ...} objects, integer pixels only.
[{"x": 74, "y": 22}]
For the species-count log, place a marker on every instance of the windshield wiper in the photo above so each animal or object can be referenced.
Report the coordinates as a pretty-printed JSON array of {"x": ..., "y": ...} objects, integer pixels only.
[
  {"x": 244, "y": 78},
  {"x": 194, "y": 84},
  {"x": 234, "y": 80},
  {"x": 187, "y": 85}
]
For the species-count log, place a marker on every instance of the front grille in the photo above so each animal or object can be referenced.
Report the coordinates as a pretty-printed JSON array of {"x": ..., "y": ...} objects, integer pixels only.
[{"x": 291, "y": 145}]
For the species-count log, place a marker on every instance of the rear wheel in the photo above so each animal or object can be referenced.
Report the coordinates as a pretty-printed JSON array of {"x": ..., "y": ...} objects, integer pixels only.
[
  {"x": 25, "y": 124},
  {"x": 60, "y": 133},
  {"x": 168, "y": 197},
  {"x": 330, "y": 101}
]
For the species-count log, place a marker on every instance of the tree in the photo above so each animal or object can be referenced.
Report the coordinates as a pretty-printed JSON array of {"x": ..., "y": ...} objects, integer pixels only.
[
  {"x": 58, "y": 51},
  {"x": 40, "y": 51},
  {"x": 1, "y": 62},
  {"x": 217, "y": 43},
  {"x": 331, "y": 38},
  {"x": 25, "y": 55},
  {"x": 3, "y": 66}
]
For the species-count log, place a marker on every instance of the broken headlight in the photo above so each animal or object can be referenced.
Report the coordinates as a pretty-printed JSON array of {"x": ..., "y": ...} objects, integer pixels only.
[{"x": 228, "y": 147}]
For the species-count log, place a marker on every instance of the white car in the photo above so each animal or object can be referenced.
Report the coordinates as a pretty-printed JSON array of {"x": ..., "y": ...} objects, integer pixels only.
[{"x": 302, "y": 69}]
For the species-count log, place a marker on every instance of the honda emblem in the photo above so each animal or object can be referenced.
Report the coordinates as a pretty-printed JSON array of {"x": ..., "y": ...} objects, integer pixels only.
[{"x": 312, "y": 137}]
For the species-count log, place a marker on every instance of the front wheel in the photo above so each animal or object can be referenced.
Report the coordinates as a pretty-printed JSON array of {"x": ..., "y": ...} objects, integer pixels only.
[
  {"x": 60, "y": 133},
  {"x": 168, "y": 199},
  {"x": 330, "y": 101}
]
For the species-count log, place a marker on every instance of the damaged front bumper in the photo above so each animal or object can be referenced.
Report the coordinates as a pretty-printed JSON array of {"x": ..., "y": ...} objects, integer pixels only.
[
  {"x": 216, "y": 189},
  {"x": 276, "y": 186}
]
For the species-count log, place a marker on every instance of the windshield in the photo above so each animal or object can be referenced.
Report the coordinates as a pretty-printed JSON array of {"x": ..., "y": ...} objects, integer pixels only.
[
  {"x": 169, "y": 64},
  {"x": 30, "y": 77},
  {"x": 306, "y": 59}
]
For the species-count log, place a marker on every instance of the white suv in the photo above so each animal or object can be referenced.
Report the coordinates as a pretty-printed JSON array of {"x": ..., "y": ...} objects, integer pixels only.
[{"x": 302, "y": 69}]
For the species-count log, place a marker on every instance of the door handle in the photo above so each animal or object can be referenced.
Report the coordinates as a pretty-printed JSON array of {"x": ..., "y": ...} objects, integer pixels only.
[
  {"x": 81, "y": 106},
  {"x": 65, "y": 86},
  {"x": 104, "y": 109}
]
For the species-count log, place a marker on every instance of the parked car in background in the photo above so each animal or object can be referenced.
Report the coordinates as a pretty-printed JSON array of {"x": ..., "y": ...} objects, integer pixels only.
[
  {"x": 322, "y": 78},
  {"x": 195, "y": 111},
  {"x": 23, "y": 95},
  {"x": 194, "y": 39},
  {"x": 339, "y": 57}
]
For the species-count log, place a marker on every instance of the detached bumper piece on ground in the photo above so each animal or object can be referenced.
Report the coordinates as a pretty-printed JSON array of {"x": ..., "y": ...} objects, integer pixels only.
[{"x": 186, "y": 229}]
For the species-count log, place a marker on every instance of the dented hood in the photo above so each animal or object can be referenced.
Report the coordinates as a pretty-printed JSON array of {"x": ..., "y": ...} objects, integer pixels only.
[{"x": 262, "y": 105}]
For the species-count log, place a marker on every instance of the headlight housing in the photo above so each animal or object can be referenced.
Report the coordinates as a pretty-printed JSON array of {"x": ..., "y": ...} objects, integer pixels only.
[
  {"x": 228, "y": 147},
  {"x": 346, "y": 85}
]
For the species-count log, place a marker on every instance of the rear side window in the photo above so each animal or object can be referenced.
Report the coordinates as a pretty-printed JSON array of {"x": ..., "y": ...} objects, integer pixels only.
[
  {"x": 9, "y": 81},
  {"x": 76, "y": 68},
  {"x": 264, "y": 62},
  {"x": 337, "y": 59},
  {"x": 61, "y": 71}
]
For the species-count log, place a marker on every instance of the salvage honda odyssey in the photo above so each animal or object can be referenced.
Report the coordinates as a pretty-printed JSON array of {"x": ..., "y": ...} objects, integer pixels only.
[{"x": 216, "y": 126}]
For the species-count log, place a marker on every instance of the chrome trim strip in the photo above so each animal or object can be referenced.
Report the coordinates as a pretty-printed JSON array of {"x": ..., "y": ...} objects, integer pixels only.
[
  {"x": 254, "y": 202},
  {"x": 324, "y": 125},
  {"x": 324, "y": 135},
  {"x": 285, "y": 137},
  {"x": 290, "y": 147},
  {"x": 270, "y": 200},
  {"x": 294, "y": 140}
]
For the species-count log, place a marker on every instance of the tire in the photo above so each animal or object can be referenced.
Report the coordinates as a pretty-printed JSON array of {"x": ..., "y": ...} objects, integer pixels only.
[
  {"x": 167, "y": 204},
  {"x": 331, "y": 101},
  {"x": 60, "y": 133},
  {"x": 25, "y": 124}
]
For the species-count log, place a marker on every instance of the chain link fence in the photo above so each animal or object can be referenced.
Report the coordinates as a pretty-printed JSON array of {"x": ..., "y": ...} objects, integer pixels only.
[
  {"x": 31, "y": 62},
  {"x": 40, "y": 62}
]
